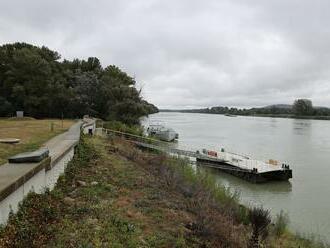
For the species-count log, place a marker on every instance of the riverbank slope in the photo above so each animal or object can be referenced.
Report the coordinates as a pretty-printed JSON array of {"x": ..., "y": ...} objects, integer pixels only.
[{"x": 114, "y": 195}]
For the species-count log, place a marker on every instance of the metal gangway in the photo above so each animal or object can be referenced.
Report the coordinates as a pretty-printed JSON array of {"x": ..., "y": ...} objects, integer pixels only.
[
  {"x": 166, "y": 147},
  {"x": 150, "y": 143}
]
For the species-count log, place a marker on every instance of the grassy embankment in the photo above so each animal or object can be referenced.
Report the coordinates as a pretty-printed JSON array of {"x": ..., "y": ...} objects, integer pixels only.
[
  {"x": 32, "y": 133},
  {"x": 114, "y": 195}
]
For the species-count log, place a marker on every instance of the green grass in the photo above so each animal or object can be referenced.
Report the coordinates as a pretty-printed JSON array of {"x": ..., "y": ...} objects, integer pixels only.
[
  {"x": 121, "y": 127},
  {"x": 32, "y": 134}
]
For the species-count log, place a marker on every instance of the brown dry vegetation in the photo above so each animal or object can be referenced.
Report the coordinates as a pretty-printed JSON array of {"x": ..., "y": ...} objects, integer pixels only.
[
  {"x": 129, "y": 206},
  {"x": 114, "y": 195},
  {"x": 32, "y": 133}
]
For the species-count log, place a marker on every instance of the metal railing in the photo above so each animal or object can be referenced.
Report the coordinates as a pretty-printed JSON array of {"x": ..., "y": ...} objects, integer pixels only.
[
  {"x": 166, "y": 147},
  {"x": 158, "y": 145}
]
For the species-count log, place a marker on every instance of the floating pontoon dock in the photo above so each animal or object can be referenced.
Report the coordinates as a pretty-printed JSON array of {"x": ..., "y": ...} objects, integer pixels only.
[{"x": 249, "y": 169}]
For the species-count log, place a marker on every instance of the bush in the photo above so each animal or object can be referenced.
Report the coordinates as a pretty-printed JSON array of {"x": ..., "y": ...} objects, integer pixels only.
[
  {"x": 280, "y": 224},
  {"x": 122, "y": 127},
  {"x": 260, "y": 220}
]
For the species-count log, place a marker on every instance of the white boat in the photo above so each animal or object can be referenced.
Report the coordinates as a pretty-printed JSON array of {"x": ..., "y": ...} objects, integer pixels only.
[{"x": 162, "y": 133}]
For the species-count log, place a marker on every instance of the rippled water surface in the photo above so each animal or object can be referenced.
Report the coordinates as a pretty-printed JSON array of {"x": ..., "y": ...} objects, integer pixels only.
[{"x": 303, "y": 144}]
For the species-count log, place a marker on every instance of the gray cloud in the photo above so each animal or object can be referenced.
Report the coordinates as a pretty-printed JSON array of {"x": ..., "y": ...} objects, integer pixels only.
[{"x": 190, "y": 53}]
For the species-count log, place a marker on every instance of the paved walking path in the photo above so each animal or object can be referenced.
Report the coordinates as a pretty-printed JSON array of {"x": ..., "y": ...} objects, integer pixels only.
[
  {"x": 12, "y": 175},
  {"x": 61, "y": 142}
]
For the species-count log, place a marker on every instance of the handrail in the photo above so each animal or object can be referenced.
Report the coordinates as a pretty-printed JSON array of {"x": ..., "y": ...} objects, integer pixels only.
[
  {"x": 136, "y": 136},
  {"x": 165, "y": 148}
]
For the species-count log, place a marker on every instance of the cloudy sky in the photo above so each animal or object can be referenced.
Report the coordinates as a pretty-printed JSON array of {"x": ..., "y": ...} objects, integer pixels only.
[{"x": 187, "y": 53}]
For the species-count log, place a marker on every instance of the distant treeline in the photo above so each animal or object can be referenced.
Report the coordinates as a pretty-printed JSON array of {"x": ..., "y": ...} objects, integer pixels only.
[
  {"x": 33, "y": 79},
  {"x": 300, "y": 108}
]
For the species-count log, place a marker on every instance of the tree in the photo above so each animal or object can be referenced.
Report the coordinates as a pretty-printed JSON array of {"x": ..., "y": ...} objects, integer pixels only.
[
  {"x": 124, "y": 101},
  {"x": 6, "y": 109},
  {"x": 33, "y": 79},
  {"x": 302, "y": 107}
]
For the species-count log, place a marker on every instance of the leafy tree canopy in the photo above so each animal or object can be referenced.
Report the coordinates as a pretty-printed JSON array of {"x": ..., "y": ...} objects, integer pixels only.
[
  {"x": 34, "y": 80},
  {"x": 303, "y": 107}
]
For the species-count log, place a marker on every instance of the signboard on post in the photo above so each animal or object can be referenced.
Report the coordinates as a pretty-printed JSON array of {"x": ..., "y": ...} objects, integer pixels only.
[{"x": 19, "y": 114}]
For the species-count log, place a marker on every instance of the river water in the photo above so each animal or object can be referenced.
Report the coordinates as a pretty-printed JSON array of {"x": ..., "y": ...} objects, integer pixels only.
[{"x": 303, "y": 144}]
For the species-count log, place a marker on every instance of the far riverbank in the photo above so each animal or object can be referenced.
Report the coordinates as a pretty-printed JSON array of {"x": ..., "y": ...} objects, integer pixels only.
[{"x": 288, "y": 116}]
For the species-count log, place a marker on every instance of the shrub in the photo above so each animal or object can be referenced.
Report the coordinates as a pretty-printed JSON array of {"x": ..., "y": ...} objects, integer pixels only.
[
  {"x": 260, "y": 220},
  {"x": 122, "y": 127},
  {"x": 83, "y": 155},
  {"x": 280, "y": 224}
]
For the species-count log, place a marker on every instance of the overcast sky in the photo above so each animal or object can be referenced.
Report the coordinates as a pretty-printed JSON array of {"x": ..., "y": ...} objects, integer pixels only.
[{"x": 187, "y": 53}]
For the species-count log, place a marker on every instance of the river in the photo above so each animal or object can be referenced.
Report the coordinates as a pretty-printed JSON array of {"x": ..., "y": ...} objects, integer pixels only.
[{"x": 303, "y": 144}]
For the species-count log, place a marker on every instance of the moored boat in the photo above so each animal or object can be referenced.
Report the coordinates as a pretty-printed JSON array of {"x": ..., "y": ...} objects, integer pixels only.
[{"x": 163, "y": 133}]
